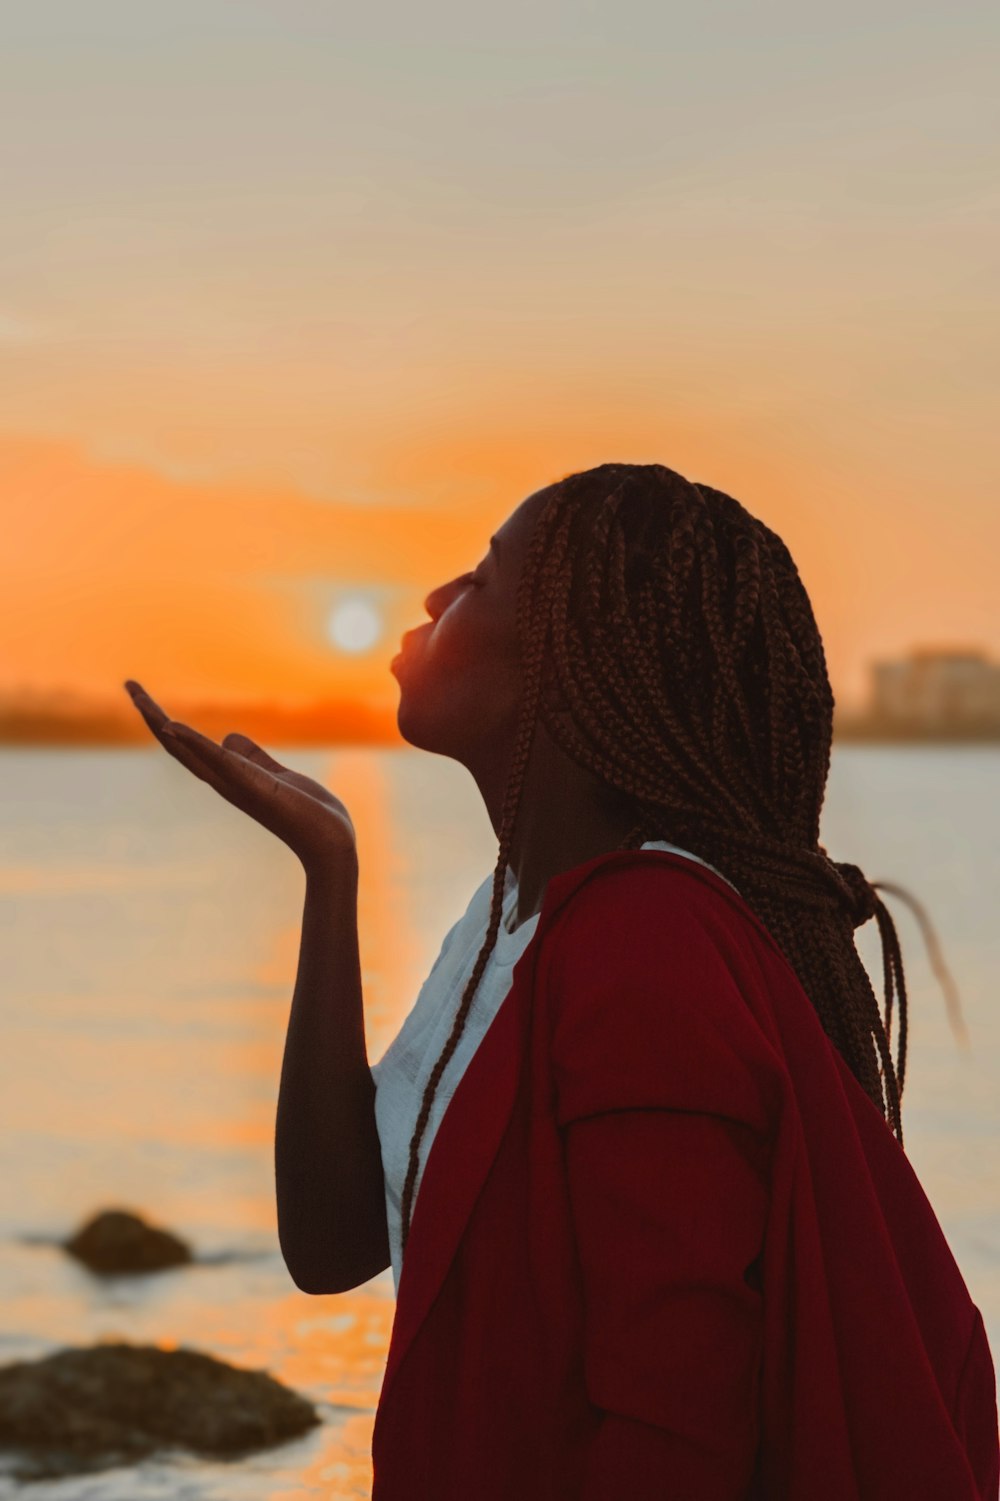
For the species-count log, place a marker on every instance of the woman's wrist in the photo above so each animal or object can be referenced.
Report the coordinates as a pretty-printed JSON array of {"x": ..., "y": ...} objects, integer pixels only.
[{"x": 337, "y": 871}]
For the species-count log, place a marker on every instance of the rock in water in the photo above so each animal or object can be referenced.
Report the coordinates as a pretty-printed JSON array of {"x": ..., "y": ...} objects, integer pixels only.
[
  {"x": 90, "y": 1408},
  {"x": 116, "y": 1240}
]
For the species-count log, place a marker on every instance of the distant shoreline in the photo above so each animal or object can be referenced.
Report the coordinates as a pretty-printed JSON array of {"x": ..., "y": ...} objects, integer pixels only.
[
  {"x": 360, "y": 726},
  {"x": 889, "y": 732},
  {"x": 317, "y": 725}
]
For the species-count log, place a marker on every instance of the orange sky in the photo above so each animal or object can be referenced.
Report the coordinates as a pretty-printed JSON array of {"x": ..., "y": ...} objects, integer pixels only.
[
  {"x": 324, "y": 326},
  {"x": 112, "y": 570}
]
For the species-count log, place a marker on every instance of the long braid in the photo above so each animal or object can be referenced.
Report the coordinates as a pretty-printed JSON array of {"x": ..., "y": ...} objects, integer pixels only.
[
  {"x": 531, "y": 665},
  {"x": 670, "y": 647}
]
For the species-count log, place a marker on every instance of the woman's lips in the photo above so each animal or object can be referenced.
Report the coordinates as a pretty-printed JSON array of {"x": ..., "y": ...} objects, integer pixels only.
[
  {"x": 406, "y": 647},
  {"x": 400, "y": 655}
]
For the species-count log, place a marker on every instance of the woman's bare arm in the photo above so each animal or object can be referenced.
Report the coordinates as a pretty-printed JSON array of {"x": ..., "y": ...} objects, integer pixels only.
[{"x": 328, "y": 1165}]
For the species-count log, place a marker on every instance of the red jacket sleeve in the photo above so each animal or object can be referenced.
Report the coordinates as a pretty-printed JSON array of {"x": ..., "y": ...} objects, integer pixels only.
[
  {"x": 665, "y": 1123},
  {"x": 669, "y": 1212}
]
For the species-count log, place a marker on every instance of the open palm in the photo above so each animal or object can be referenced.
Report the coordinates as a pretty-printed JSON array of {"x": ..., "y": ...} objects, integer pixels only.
[{"x": 304, "y": 814}]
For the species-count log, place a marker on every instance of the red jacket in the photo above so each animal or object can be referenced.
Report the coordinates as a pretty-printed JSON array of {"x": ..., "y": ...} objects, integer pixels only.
[{"x": 665, "y": 1246}]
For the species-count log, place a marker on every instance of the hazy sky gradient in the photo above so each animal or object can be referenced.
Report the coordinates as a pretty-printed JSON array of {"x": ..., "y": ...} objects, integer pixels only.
[{"x": 283, "y": 286}]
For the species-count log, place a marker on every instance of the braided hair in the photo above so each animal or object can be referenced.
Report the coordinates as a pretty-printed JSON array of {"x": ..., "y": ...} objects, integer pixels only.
[{"x": 669, "y": 645}]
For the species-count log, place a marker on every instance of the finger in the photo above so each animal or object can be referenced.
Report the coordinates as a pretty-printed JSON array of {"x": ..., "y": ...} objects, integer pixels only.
[
  {"x": 193, "y": 739},
  {"x": 253, "y": 752},
  {"x": 165, "y": 728},
  {"x": 228, "y": 774},
  {"x": 150, "y": 710},
  {"x": 193, "y": 761},
  {"x": 244, "y": 746},
  {"x": 235, "y": 771},
  {"x": 143, "y": 700}
]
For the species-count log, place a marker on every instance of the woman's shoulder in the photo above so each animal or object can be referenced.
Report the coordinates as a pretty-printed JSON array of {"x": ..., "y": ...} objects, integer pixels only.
[
  {"x": 649, "y": 998},
  {"x": 662, "y": 895}
]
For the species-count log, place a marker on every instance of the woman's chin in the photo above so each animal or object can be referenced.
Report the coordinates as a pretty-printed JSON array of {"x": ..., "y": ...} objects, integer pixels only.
[
  {"x": 417, "y": 731},
  {"x": 407, "y": 720}
]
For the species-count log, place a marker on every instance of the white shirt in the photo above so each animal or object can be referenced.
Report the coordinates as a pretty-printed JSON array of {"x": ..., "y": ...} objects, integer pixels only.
[{"x": 402, "y": 1072}]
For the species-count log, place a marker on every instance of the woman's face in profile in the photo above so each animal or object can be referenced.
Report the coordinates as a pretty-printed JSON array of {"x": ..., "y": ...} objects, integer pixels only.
[{"x": 460, "y": 676}]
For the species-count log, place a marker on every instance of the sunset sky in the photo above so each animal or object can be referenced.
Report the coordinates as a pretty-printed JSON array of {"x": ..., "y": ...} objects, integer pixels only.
[{"x": 299, "y": 300}]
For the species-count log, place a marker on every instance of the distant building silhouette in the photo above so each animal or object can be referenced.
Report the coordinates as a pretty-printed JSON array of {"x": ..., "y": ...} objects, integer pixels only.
[
  {"x": 934, "y": 693},
  {"x": 935, "y": 687}
]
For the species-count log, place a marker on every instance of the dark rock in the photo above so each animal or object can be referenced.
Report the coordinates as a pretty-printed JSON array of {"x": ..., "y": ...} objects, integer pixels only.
[
  {"x": 86, "y": 1409},
  {"x": 118, "y": 1241}
]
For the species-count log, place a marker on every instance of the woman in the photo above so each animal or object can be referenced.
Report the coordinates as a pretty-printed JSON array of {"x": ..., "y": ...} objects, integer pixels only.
[{"x": 664, "y": 1241}]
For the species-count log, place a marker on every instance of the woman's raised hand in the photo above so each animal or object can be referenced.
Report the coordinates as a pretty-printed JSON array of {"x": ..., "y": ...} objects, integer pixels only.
[{"x": 302, "y": 813}]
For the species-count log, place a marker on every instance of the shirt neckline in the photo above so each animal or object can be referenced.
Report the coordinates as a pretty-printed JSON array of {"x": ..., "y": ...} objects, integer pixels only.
[{"x": 506, "y": 937}]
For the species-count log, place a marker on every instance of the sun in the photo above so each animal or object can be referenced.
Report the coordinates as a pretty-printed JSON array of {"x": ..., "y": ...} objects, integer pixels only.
[{"x": 354, "y": 624}]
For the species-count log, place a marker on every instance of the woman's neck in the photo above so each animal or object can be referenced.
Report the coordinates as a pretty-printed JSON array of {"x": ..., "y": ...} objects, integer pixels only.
[{"x": 561, "y": 824}]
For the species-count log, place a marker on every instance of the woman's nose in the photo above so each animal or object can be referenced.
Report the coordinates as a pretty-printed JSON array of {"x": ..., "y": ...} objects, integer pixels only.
[{"x": 437, "y": 600}]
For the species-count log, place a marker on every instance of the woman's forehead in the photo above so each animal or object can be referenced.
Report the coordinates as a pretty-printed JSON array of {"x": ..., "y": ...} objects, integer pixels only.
[{"x": 521, "y": 521}]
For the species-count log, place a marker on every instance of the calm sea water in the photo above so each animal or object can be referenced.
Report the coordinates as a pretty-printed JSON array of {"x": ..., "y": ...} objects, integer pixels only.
[{"x": 148, "y": 944}]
